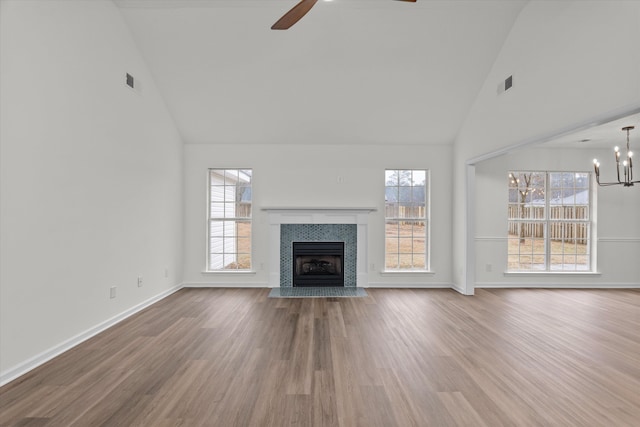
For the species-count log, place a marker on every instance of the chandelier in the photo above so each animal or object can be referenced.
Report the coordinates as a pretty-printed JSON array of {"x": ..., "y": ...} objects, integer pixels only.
[{"x": 627, "y": 166}]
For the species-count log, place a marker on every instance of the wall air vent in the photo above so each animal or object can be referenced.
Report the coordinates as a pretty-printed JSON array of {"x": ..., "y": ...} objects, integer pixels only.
[
  {"x": 508, "y": 82},
  {"x": 505, "y": 85},
  {"x": 130, "y": 80}
]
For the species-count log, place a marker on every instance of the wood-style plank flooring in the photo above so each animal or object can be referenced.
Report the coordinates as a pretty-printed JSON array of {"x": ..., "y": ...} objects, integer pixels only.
[{"x": 233, "y": 357}]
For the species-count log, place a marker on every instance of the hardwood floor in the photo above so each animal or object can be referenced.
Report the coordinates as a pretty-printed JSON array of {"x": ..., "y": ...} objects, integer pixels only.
[{"x": 233, "y": 357}]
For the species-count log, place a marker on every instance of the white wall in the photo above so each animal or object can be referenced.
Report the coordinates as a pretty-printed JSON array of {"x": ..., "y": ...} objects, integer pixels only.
[
  {"x": 616, "y": 222},
  {"x": 91, "y": 177},
  {"x": 571, "y": 61},
  {"x": 307, "y": 176}
]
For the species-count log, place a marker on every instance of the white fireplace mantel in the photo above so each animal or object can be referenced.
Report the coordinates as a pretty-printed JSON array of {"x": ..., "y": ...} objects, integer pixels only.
[
  {"x": 318, "y": 215},
  {"x": 299, "y": 215}
]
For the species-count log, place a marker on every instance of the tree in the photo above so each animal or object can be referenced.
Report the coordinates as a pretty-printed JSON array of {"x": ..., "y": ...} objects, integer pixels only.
[
  {"x": 399, "y": 177},
  {"x": 526, "y": 184}
]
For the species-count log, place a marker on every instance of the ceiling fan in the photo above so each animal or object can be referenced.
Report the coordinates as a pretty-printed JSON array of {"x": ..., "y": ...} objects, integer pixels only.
[{"x": 298, "y": 11}]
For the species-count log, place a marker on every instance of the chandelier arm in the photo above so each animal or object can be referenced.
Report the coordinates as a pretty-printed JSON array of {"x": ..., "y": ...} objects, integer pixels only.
[
  {"x": 627, "y": 166},
  {"x": 608, "y": 184}
]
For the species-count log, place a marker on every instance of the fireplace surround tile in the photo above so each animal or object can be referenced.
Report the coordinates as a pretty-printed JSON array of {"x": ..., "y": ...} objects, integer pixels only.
[
  {"x": 279, "y": 216},
  {"x": 347, "y": 233}
]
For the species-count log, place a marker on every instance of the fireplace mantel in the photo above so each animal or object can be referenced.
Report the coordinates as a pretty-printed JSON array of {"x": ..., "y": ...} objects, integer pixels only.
[
  {"x": 325, "y": 212},
  {"x": 279, "y": 215}
]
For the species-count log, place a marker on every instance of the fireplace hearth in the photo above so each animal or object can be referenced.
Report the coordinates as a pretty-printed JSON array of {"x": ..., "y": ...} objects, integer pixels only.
[{"x": 318, "y": 264}]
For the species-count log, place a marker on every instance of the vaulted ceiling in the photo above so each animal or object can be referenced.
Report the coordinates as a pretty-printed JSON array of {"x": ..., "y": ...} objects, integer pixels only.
[{"x": 351, "y": 71}]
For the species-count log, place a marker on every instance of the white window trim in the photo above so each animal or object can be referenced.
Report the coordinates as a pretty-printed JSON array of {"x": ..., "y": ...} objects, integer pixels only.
[
  {"x": 427, "y": 219},
  {"x": 593, "y": 271},
  {"x": 207, "y": 269},
  {"x": 407, "y": 272}
]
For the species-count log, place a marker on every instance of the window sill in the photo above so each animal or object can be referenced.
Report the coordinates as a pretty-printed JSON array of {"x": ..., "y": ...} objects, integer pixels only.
[
  {"x": 228, "y": 272},
  {"x": 407, "y": 272},
  {"x": 552, "y": 273}
]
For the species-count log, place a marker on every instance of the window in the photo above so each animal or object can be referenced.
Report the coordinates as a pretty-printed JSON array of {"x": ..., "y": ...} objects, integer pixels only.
[
  {"x": 549, "y": 221},
  {"x": 406, "y": 220},
  {"x": 229, "y": 216}
]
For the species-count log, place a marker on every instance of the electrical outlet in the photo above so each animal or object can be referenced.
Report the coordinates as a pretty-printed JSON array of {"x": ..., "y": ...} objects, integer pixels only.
[
  {"x": 112, "y": 292},
  {"x": 166, "y": 272},
  {"x": 488, "y": 268},
  {"x": 139, "y": 281}
]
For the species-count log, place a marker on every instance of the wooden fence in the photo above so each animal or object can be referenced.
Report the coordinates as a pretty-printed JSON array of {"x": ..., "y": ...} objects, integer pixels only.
[
  {"x": 243, "y": 210},
  {"x": 560, "y": 230},
  {"x": 398, "y": 211}
]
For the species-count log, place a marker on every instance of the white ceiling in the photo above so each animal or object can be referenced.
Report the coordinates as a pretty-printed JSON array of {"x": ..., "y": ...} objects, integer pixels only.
[
  {"x": 351, "y": 71},
  {"x": 606, "y": 135}
]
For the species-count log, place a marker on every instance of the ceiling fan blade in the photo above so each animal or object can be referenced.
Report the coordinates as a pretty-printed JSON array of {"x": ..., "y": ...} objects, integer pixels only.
[
  {"x": 294, "y": 15},
  {"x": 412, "y": 1}
]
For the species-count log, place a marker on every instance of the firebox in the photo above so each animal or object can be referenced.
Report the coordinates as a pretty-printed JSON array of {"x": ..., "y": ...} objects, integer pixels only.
[{"x": 318, "y": 264}]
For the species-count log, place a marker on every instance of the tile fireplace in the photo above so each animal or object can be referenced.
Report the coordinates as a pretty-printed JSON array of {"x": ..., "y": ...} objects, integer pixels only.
[
  {"x": 292, "y": 235},
  {"x": 345, "y": 227}
]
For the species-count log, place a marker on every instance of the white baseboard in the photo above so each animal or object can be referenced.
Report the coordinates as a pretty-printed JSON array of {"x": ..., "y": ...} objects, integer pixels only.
[
  {"x": 413, "y": 285},
  {"x": 225, "y": 285},
  {"x": 32, "y": 363},
  {"x": 461, "y": 290},
  {"x": 498, "y": 285}
]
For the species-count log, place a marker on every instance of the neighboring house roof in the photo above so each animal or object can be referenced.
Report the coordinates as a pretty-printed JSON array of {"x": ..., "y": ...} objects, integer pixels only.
[
  {"x": 246, "y": 195},
  {"x": 581, "y": 198}
]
